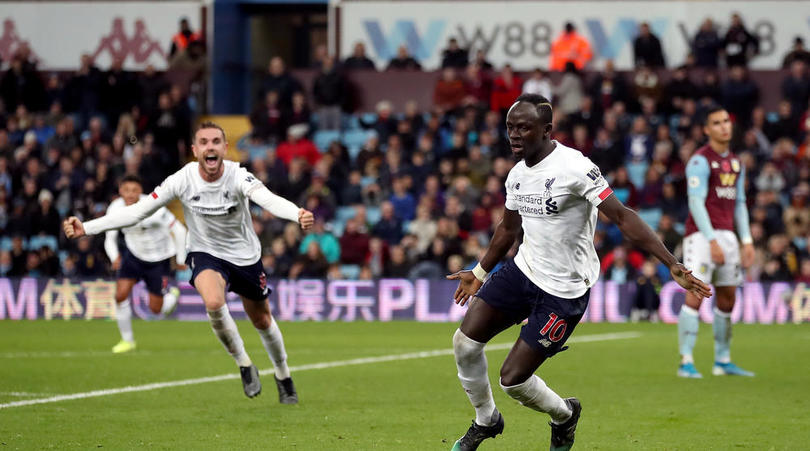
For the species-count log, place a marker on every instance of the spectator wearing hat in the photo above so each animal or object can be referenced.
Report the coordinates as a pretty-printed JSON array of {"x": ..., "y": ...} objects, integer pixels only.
[{"x": 298, "y": 146}]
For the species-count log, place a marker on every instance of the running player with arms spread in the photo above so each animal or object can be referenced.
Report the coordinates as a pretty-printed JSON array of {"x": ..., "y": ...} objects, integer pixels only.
[
  {"x": 150, "y": 244},
  {"x": 553, "y": 194},
  {"x": 223, "y": 250}
]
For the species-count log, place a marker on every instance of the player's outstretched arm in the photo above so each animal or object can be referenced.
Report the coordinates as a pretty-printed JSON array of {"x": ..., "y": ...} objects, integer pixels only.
[
  {"x": 505, "y": 234},
  {"x": 641, "y": 235},
  {"x": 73, "y": 227},
  {"x": 279, "y": 206}
]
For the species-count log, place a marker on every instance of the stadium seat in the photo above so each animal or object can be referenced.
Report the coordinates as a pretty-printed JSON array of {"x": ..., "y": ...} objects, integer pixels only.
[
  {"x": 373, "y": 214},
  {"x": 350, "y": 271},
  {"x": 5, "y": 243},
  {"x": 651, "y": 216},
  {"x": 343, "y": 214},
  {"x": 354, "y": 140},
  {"x": 323, "y": 138},
  {"x": 337, "y": 228},
  {"x": 636, "y": 172},
  {"x": 368, "y": 118},
  {"x": 39, "y": 241}
]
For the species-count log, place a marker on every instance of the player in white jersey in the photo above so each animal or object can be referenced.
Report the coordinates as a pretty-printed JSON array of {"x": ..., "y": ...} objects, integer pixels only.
[
  {"x": 223, "y": 250},
  {"x": 554, "y": 194},
  {"x": 150, "y": 244}
]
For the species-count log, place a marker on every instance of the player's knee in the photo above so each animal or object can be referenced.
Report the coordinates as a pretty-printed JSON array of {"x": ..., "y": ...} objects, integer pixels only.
[
  {"x": 262, "y": 322},
  {"x": 511, "y": 376},
  {"x": 464, "y": 347}
]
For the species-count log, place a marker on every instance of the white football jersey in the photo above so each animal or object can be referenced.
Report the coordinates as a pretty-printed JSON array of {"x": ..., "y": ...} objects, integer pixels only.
[
  {"x": 557, "y": 200},
  {"x": 217, "y": 214},
  {"x": 149, "y": 240}
]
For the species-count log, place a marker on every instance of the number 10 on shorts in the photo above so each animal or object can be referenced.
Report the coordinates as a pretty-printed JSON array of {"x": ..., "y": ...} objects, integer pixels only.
[{"x": 555, "y": 328}]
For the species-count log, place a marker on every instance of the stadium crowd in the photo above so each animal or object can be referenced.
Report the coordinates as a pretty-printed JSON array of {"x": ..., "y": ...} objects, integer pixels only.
[{"x": 408, "y": 193}]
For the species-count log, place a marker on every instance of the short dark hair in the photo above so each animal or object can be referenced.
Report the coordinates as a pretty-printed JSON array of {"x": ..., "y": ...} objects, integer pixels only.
[
  {"x": 131, "y": 178},
  {"x": 207, "y": 124},
  {"x": 541, "y": 103},
  {"x": 711, "y": 109}
]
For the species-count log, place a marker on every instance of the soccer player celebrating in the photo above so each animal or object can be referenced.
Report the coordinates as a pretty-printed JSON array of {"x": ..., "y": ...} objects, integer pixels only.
[
  {"x": 716, "y": 192},
  {"x": 223, "y": 250},
  {"x": 149, "y": 246},
  {"x": 553, "y": 194}
]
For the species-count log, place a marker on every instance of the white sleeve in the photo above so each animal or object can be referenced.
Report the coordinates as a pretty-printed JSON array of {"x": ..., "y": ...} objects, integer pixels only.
[
  {"x": 111, "y": 245},
  {"x": 246, "y": 182},
  {"x": 131, "y": 215},
  {"x": 179, "y": 232},
  {"x": 277, "y": 205},
  {"x": 589, "y": 182},
  {"x": 511, "y": 203}
]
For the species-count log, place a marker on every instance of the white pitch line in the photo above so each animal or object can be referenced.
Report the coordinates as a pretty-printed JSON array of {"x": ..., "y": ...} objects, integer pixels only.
[
  {"x": 311, "y": 366},
  {"x": 21, "y": 394},
  {"x": 64, "y": 354}
]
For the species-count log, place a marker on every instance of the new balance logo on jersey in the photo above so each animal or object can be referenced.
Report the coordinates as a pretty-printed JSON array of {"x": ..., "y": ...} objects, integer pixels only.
[
  {"x": 545, "y": 342},
  {"x": 594, "y": 174}
]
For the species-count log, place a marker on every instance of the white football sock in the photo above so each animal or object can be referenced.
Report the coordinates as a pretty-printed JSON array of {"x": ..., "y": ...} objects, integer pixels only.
[
  {"x": 274, "y": 344},
  {"x": 225, "y": 329},
  {"x": 535, "y": 394},
  {"x": 123, "y": 315},
  {"x": 472, "y": 372}
]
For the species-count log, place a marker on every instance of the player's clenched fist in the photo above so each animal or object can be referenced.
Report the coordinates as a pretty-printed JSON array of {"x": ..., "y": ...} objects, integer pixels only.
[
  {"x": 73, "y": 227},
  {"x": 305, "y": 218}
]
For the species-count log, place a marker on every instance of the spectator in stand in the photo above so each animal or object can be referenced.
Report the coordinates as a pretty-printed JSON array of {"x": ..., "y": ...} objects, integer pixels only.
[
  {"x": 311, "y": 264},
  {"x": 449, "y": 92},
  {"x": 21, "y": 85},
  {"x": 82, "y": 91},
  {"x": 706, "y": 45},
  {"x": 797, "y": 53},
  {"x": 506, "y": 88},
  {"x": 267, "y": 121},
  {"x": 740, "y": 95},
  {"x": 479, "y": 86},
  {"x": 739, "y": 45},
  {"x": 608, "y": 87},
  {"x": 481, "y": 60},
  {"x": 679, "y": 89},
  {"x": 329, "y": 92},
  {"x": 389, "y": 228},
  {"x": 569, "y": 92},
  {"x": 403, "y": 60},
  {"x": 299, "y": 113},
  {"x": 538, "y": 83},
  {"x": 569, "y": 46},
  {"x": 647, "y": 48},
  {"x": 184, "y": 37},
  {"x": 327, "y": 243},
  {"x": 403, "y": 202},
  {"x": 298, "y": 146},
  {"x": 796, "y": 86},
  {"x": 646, "y": 300},
  {"x": 358, "y": 60},
  {"x": 280, "y": 80},
  {"x": 354, "y": 243},
  {"x": 454, "y": 56}
]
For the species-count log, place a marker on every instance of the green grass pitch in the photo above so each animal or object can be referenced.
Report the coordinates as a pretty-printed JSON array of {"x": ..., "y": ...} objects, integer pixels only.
[{"x": 630, "y": 395}]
